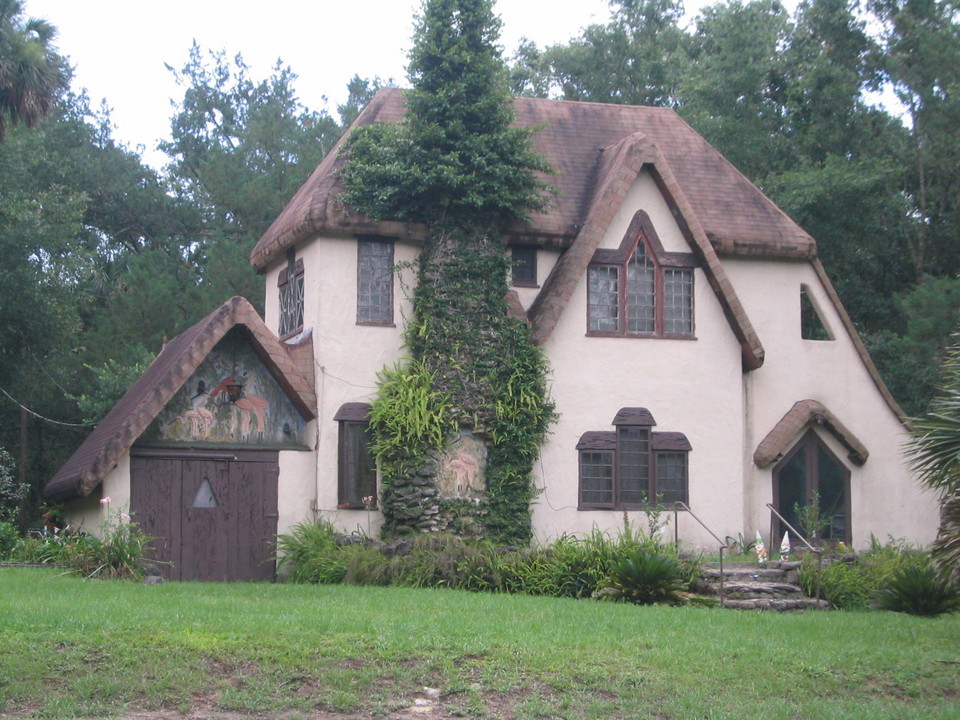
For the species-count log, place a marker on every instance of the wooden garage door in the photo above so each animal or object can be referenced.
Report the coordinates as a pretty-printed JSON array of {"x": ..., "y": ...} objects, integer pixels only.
[{"x": 213, "y": 514}]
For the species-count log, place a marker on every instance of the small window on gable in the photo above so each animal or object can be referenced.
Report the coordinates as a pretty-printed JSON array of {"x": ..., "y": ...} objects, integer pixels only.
[
  {"x": 523, "y": 261},
  {"x": 356, "y": 468},
  {"x": 290, "y": 286},
  {"x": 375, "y": 282},
  {"x": 812, "y": 326},
  {"x": 639, "y": 290},
  {"x": 632, "y": 467}
]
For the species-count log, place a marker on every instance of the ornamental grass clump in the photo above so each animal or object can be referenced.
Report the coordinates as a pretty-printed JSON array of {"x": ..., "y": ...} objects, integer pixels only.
[{"x": 310, "y": 554}]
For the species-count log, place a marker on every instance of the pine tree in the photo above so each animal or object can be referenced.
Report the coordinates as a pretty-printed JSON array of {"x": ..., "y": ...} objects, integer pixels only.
[{"x": 457, "y": 165}]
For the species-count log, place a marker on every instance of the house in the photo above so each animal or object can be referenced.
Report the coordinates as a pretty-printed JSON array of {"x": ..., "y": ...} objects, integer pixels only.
[{"x": 698, "y": 353}]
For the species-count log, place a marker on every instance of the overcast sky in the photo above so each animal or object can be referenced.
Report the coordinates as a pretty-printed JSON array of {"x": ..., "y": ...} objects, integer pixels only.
[{"x": 119, "y": 47}]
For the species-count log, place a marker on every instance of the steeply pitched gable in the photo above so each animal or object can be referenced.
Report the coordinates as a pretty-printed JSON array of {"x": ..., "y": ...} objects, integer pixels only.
[{"x": 178, "y": 360}]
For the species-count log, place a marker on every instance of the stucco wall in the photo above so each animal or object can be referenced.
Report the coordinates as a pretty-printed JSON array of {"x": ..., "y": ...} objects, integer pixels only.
[
  {"x": 347, "y": 356},
  {"x": 89, "y": 513},
  {"x": 690, "y": 386},
  {"x": 297, "y": 491},
  {"x": 885, "y": 499}
]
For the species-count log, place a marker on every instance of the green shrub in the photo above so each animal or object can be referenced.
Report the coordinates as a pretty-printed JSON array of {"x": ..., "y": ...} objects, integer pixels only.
[
  {"x": 8, "y": 538},
  {"x": 365, "y": 565},
  {"x": 117, "y": 554},
  {"x": 571, "y": 567},
  {"x": 918, "y": 590},
  {"x": 310, "y": 554},
  {"x": 849, "y": 585},
  {"x": 644, "y": 577}
]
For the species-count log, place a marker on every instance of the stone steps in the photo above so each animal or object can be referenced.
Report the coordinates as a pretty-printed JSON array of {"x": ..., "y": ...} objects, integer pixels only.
[{"x": 751, "y": 586}]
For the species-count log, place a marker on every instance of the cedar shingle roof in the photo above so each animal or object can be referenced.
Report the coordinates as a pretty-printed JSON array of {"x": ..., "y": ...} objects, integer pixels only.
[
  {"x": 178, "y": 360},
  {"x": 597, "y": 150},
  {"x": 736, "y": 217}
]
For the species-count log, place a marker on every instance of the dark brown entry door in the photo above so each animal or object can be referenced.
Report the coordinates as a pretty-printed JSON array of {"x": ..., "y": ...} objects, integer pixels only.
[{"x": 213, "y": 514}]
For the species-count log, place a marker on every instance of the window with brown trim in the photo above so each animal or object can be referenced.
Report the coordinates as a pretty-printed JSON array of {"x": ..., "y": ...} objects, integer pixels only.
[
  {"x": 356, "y": 467},
  {"x": 632, "y": 467},
  {"x": 290, "y": 286},
  {"x": 811, "y": 476},
  {"x": 375, "y": 282},
  {"x": 523, "y": 262},
  {"x": 639, "y": 290}
]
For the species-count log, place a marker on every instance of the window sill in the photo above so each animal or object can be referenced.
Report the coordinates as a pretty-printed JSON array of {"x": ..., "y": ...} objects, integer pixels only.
[
  {"x": 348, "y": 506},
  {"x": 520, "y": 284},
  {"x": 373, "y": 323},
  {"x": 639, "y": 336},
  {"x": 666, "y": 507},
  {"x": 293, "y": 333}
]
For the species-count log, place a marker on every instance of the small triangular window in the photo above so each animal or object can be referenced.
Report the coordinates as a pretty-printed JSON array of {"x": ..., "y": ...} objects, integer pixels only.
[
  {"x": 812, "y": 326},
  {"x": 205, "y": 498}
]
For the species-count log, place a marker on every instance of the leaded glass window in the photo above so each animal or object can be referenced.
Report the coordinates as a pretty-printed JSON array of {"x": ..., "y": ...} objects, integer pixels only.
[
  {"x": 375, "y": 282},
  {"x": 290, "y": 286},
  {"x": 644, "y": 295}
]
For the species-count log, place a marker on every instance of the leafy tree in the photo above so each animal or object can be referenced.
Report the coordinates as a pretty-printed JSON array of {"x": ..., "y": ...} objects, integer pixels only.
[
  {"x": 360, "y": 91},
  {"x": 910, "y": 355},
  {"x": 935, "y": 456},
  {"x": 635, "y": 59},
  {"x": 32, "y": 74},
  {"x": 734, "y": 92},
  {"x": 920, "y": 54},
  {"x": 457, "y": 165},
  {"x": 240, "y": 150},
  {"x": 455, "y": 161}
]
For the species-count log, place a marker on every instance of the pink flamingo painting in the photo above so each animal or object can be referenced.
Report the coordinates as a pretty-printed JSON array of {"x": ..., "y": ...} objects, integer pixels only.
[
  {"x": 247, "y": 406},
  {"x": 199, "y": 417}
]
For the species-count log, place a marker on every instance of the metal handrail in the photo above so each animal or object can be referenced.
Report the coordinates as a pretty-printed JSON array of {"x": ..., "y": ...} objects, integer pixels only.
[
  {"x": 677, "y": 507},
  {"x": 815, "y": 551}
]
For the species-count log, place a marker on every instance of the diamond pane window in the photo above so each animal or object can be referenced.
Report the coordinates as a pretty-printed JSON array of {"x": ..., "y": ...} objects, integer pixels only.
[
  {"x": 290, "y": 286},
  {"x": 641, "y": 292}
]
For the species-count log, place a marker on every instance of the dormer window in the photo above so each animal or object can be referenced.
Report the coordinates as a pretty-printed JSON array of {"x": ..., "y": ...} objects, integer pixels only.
[
  {"x": 638, "y": 290},
  {"x": 290, "y": 286}
]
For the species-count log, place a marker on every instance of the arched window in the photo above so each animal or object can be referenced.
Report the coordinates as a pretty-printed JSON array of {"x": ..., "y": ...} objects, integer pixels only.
[
  {"x": 811, "y": 489},
  {"x": 638, "y": 290}
]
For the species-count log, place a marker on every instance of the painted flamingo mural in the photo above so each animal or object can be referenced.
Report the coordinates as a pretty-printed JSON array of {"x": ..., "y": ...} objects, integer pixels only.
[
  {"x": 201, "y": 411},
  {"x": 247, "y": 407},
  {"x": 199, "y": 417}
]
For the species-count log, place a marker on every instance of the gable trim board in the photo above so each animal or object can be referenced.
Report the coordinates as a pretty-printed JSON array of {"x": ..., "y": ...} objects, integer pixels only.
[{"x": 133, "y": 413}]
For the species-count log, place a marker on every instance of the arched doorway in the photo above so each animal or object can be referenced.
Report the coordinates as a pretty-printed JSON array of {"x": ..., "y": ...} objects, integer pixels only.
[{"x": 809, "y": 472}]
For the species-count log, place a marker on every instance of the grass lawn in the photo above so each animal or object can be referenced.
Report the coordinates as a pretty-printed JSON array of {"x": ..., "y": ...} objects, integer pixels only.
[{"x": 74, "y": 648}]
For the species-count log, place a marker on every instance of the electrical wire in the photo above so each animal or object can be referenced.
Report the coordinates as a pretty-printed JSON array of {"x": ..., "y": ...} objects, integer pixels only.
[
  {"x": 43, "y": 417},
  {"x": 346, "y": 382}
]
